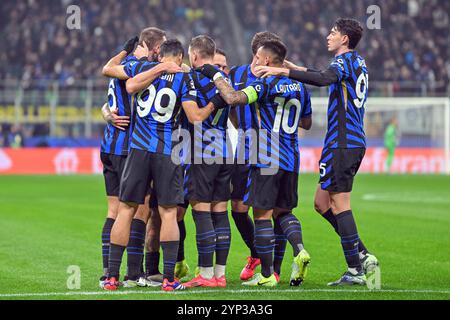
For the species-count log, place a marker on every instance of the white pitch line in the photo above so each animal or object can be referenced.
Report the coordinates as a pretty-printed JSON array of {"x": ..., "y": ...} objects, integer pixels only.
[
  {"x": 400, "y": 197},
  {"x": 207, "y": 291}
]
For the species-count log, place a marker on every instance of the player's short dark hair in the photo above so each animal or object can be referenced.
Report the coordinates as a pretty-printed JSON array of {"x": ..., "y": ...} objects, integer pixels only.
[
  {"x": 351, "y": 28},
  {"x": 277, "y": 49},
  {"x": 172, "y": 47},
  {"x": 221, "y": 52},
  {"x": 204, "y": 45},
  {"x": 151, "y": 36},
  {"x": 261, "y": 37}
]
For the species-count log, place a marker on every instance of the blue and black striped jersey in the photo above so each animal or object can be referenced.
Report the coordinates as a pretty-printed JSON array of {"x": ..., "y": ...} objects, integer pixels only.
[
  {"x": 346, "y": 102},
  {"x": 116, "y": 141},
  {"x": 158, "y": 108},
  {"x": 214, "y": 126},
  {"x": 241, "y": 77},
  {"x": 280, "y": 104}
]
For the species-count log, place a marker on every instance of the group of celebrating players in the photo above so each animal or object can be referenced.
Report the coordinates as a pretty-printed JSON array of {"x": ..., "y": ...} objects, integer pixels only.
[{"x": 166, "y": 146}]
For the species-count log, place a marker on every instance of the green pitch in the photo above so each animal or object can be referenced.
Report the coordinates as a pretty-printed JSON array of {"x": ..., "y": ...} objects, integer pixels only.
[{"x": 51, "y": 223}]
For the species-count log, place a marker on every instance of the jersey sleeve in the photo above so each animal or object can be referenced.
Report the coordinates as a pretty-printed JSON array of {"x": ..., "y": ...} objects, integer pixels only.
[
  {"x": 340, "y": 68},
  {"x": 258, "y": 90},
  {"x": 188, "y": 90},
  {"x": 306, "y": 105},
  {"x": 133, "y": 68}
]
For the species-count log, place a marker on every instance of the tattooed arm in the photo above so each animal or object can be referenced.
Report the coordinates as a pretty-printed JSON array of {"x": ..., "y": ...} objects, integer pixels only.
[{"x": 231, "y": 96}]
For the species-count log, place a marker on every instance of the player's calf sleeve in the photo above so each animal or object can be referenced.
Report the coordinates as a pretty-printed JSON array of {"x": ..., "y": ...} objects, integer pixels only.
[
  {"x": 349, "y": 239},
  {"x": 206, "y": 238},
  {"x": 152, "y": 263},
  {"x": 135, "y": 248},
  {"x": 223, "y": 236},
  {"x": 292, "y": 229},
  {"x": 170, "y": 251},
  {"x": 280, "y": 246},
  {"x": 245, "y": 226},
  {"x": 331, "y": 218},
  {"x": 264, "y": 243},
  {"x": 115, "y": 260},
  {"x": 106, "y": 238},
  {"x": 182, "y": 227}
]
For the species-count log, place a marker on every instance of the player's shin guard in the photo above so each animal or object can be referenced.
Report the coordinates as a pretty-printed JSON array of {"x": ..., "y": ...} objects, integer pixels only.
[
  {"x": 349, "y": 239},
  {"x": 292, "y": 229},
  {"x": 206, "y": 238},
  {"x": 280, "y": 246},
  {"x": 106, "y": 238},
  {"x": 182, "y": 227},
  {"x": 135, "y": 248},
  {"x": 247, "y": 230},
  {"x": 223, "y": 239},
  {"x": 170, "y": 251},
  {"x": 264, "y": 243},
  {"x": 115, "y": 260},
  {"x": 331, "y": 218}
]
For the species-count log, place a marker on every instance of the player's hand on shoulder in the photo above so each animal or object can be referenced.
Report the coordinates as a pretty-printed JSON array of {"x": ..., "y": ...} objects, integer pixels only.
[
  {"x": 130, "y": 44},
  {"x": 141, "y": 51},
  {"x": 120, "y": 122},
  {"x": 264, "y": 71}
]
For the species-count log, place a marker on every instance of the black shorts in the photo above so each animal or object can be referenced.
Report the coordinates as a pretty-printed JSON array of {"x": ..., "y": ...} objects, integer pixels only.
[
  {"x": 208, "y": 183},
  {"x": 239, "y": 179},
  {"x": 112, "y": 172},
  {"x": 268, "y": 192},
  {"x": 142, "y": 168},
  {"x": 338, "y": 168},
  {"x": 154, "y": 202}
]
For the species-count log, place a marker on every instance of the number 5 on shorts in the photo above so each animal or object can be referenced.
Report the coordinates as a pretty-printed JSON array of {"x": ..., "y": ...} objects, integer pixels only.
[{"x": 323, "y": 169}]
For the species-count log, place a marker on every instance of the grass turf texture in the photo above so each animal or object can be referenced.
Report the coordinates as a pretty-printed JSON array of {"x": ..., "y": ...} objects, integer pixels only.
[{"x": 49, "y": 223}]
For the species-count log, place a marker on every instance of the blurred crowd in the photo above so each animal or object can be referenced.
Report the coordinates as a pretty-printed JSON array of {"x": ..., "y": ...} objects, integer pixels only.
[
  {"x": 412, "y": 44},
  {"x": 37, "y": 44}
]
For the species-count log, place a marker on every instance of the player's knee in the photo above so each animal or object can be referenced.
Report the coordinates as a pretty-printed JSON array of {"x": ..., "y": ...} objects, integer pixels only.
[
  {"x": 142, "y": 213},
  {"x": 112, "y": 214},
  {"x": 320, "y": 206},
  {"x": 180, "y": 213}
]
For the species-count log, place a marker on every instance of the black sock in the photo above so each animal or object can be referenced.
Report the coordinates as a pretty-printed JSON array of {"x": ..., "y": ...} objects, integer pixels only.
[
  {"x": 115, "y": 260},
  {"x": 349, "y": 239},
  {"x": 106, "y": 238},
  {"x": 170, "y": 250},
  {"x": 331, "y": 218},
  {"x": 152, "y": 263},
  {"x": 247, "y": 230},
  {"x": 280, "y": 246},
  {"x": 182, "y": 228},
  {"x": 206, "y": 238},
  {"x": 264, "y": 243},
  {"x": 292, "y": 229},
  {"x": 223, "y": 236},
  {"x": 135, "y": 248}
]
